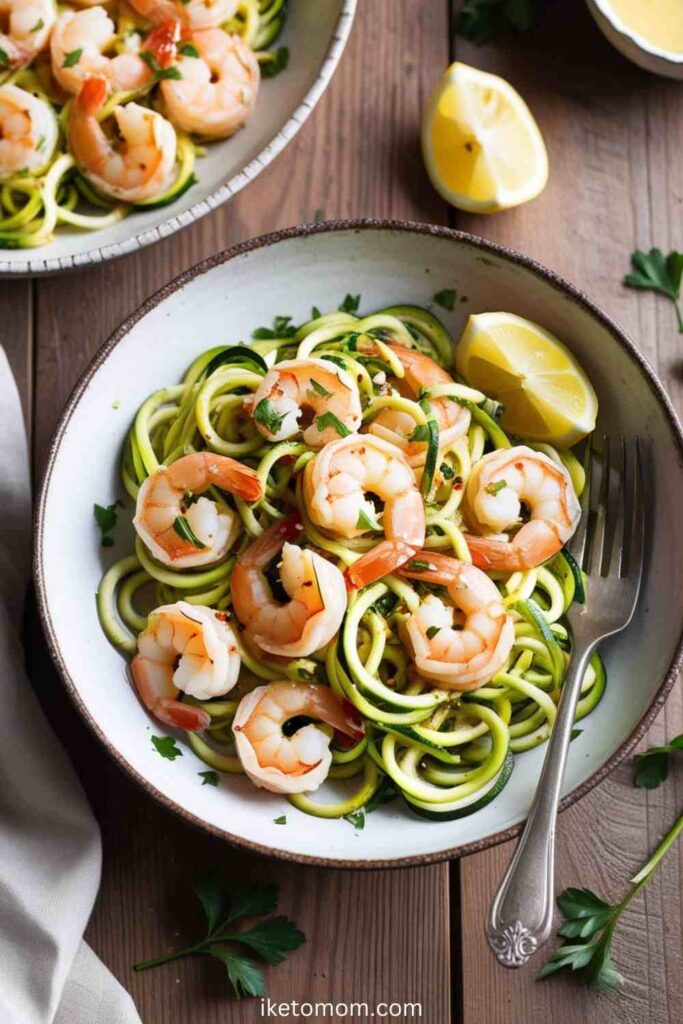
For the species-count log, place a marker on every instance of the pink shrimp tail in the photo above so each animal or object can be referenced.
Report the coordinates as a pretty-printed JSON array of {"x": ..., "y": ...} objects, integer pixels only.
[
  {"x": 385, "y": 558},
  {"x": 166, "y": 709},
  {"x": 93, "y": 94},
  {"x": 354, "y": 729},
  {"x": 162, "y": 42}
]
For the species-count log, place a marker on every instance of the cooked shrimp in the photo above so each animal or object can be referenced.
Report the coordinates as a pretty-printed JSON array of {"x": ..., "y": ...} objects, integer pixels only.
[
  {"x": 184, "y": 647},
  {"x": 298, "y": 389},
  {"x": 396, "y": 426},
  {"x": 217, "y": 92},
  {"x": 195, "y": 14},
  {"x": 501, "y": 484},
  {"x": 138, "y": 167},
  {"x": 289, "y": 764},
  {"x": 466, "y": 657},
  {"x": 316, "y": 588},
  {"x": 26, "y": 30},
  {"x": 28, "y": 131},
  {"x": 167, "y": 516},
  {"x": 87, "y": 35},
  {"x": 336, "y": 483}
]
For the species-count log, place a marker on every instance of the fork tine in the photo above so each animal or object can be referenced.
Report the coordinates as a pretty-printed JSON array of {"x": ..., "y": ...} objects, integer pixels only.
[
  {"x": 618, "y": 560},
  {"x": 577, "y": 543},
  {"x": 637, "y": 546}
]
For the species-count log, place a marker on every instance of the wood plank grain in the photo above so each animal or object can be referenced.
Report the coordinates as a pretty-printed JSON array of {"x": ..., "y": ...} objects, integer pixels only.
[
  {"x": 16, "y": 337},
  {"x": 371, "y": 937},
  {"x": 613, "y": 133}
]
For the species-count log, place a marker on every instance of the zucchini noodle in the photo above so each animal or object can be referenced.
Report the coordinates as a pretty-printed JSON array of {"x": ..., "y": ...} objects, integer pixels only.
[
  {"x": 447, "y": 753},
  {"x": 34, "y": 203}
]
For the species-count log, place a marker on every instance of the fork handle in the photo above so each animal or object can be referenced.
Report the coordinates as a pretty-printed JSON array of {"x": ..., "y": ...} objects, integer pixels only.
[{"x": 521, "y": 915}]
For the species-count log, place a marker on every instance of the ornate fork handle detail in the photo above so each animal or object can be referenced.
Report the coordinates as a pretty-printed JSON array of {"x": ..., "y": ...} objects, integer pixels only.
[{"x": 514, "y": 945}]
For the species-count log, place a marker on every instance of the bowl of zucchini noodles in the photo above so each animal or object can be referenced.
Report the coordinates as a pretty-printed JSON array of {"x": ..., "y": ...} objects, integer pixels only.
[
  {"x": 121, "y": 123},
  {"x": 255, "y": 430}
]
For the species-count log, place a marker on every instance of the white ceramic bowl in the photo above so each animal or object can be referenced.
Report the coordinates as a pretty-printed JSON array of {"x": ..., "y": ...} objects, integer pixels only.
[
  {"x": 220, "y": 302},
  {"x": 646, "y": 55},
  {"x": 316, "y": 34}
]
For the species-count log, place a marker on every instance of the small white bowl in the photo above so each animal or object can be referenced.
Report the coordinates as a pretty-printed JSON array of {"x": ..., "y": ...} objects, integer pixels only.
[
  {"x": 316, "y": 34},
  {"x": 645, "y": 55},
  {"x": 220, "y": 302}
]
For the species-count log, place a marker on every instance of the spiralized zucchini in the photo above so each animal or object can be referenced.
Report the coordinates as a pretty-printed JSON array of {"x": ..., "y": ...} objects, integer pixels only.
[
  {"x": 34, "y": 205},
  {"x": 447, "y": 753}
]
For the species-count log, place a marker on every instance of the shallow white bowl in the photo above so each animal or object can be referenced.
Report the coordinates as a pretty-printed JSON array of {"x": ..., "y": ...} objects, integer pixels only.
[
  {"x": 220, "y": 302},
  {"x": 316, "y": 34},
  {"x": 646, "y": 55}
]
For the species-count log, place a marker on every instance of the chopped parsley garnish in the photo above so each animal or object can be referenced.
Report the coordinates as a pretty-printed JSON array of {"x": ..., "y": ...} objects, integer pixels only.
[
  {"x": 432, "y": 631},
  {"x": 328, "y": 419},
  {"x": 481, "y": 20},
  {"x": 72, "y": 59},
  {"x": 266, "y": 415},
  {"x": 420, "y": 433},
  {"x": 446, "y": 472},
  {"x": 38, "y": 25},
  {"x": 274, "y": 62},
  {"x": 365, "y": 522},
  {"x": 106, "y": 517},
  {"x": 40, "y": 144},
  {"x": 315, "y": 313},
  {"x": 418, "y": 566},
  {"x": 319, "y": 389},
  {"x": 384, "y": 794},
  {"x": 160, "y": 74},
  {"x": 188, "y": 50},
  {"x": 166, "y": 746},
  {"x": 209, "y": 778},
  {"x": 350, "y": 304},
  {"x": 446, "y": 298},
  {"x": 4, "y": 59},
  {"x": 270, "y": 940},
  {"x": 184, "y": 530},
  {"x": 494, "y": 488},
  {"x": 282, "y": 328},
  {"x": 282, "y": 820},
  {"x": 653, "y": 272}
]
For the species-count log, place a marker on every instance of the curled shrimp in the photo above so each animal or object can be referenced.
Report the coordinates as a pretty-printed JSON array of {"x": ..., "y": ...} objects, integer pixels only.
[
  {"x": 336, "y": 483},
  {"x": 184, "y": 647},
  {"x": 396, "y": 426},
  {"x": 298, "y": 390},
  {"x": 466, "y": 657},
  {"x": 88, "y": 33},
  {"x": 195, "y": 14},
  {"x": 169, "y": 519},
  {"x": 315, "y": 586},
  {"x": 289, "y": 764},
  {"x": 140, "y": 165},
  {"x": 28, "y": 131},
  {"x": 27, "y": 27},
  {"x": 500, "y": 486},
  {"x": 217, "y": 92}
]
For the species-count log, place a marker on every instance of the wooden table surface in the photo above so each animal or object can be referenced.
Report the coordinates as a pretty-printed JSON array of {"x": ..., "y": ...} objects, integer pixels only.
[{"x": 615, "y": 135}]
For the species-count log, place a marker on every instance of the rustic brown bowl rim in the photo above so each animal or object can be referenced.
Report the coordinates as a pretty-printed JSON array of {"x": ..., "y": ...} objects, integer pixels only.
[{"x": 330, "y": 227}]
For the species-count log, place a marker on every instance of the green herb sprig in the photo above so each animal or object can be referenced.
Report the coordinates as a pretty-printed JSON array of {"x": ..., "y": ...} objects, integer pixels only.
[
  {"x": 106, "y": 517},
  {"x": 481, "y": 20},
  {"x": 654, "y": 272},
  {"x": 652, "y": 767},
  {"x": 271, "y": 940}
]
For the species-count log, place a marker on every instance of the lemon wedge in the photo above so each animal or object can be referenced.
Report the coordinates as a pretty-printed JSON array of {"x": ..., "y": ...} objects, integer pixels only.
[
  {"x": 545, "y": 393},
  {"x": 483, "y": 150}
]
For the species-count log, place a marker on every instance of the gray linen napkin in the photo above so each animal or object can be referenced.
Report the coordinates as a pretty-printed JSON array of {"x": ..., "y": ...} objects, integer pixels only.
[{"x": 50, "y": 853}]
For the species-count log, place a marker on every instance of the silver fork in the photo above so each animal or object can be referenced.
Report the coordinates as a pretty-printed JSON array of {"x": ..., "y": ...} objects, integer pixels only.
[{"x": 608, "y": 544}]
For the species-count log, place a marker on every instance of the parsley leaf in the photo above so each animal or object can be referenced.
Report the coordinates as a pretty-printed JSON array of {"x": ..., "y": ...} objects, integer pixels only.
[
  {"x": 481, "y": 20},
  {"x": 160, "y": 74},
  {"x": 356, "y": 818},
  {"x": 265, "y": 414},
  {"x": 315, "y": 313},
  {"x": 4, "y": 58},
  {"x": 38, "y": 25},
  {"x": 446, "y": 471},
  {"x": 592, "y": 921},
  {"x": 318, "y": 389},
  {"x": 282, "y": 328},
  {"x": 418, "y": 566},
  {"x": 166, "y": 746},
  {"x": 271, "y": 940},
  {"x": 432, "y": 631},
  {"x": 494, "y": 488},
  {"x": 350, "y": 304},
  {"x": 72, "y": 59},
  {"x": 652, "y": 767},
  {"x": 274, "y": 62},
  {"x": 188, "y": 50},
  {"x": 182, "y": 527},
  {"x": 384, "y": 794},
  {"x": 446, "y": 298},
  {"x": 328, "y": 419},
  {"x": 209, "y": 778},
  {"x": 282, "y": 820},
  {"x": 653, "y": 272},
  {"x": 106, "y": 517},
  {"x": 365, "y": 522}
]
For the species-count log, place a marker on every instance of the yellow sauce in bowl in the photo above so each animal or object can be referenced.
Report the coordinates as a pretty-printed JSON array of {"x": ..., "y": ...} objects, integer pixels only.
[{"x": 658, "y": 22}]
